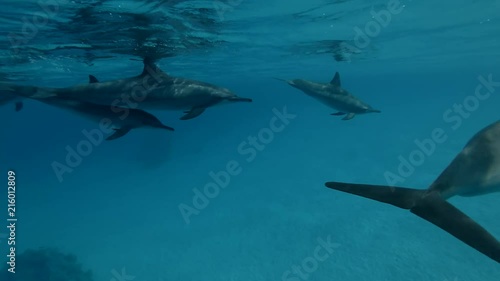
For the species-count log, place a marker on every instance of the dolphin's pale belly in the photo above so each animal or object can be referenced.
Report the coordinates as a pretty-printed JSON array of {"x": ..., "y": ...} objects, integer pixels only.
[
  {"x": 476, "y": 169},
  {"x": 489, "y": 182},
  {"x": 117, "y": 120},
  {"x": 475, "y": 190},
  {"x": 342, "y": 103},
  {"x": 466, "y": 176}
]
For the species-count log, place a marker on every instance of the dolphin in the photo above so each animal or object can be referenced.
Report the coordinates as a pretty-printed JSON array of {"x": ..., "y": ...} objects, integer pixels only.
[
  {"x": 152, "y": 89},
  {"x": 132, "y": 118},
  {"x": 333, "y": 95},
  {"x": 474, "y": 171},
  {"x": 122, "y": 119}
]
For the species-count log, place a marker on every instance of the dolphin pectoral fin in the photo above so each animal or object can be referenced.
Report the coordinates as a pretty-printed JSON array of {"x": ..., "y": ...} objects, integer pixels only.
[
  {"x": 19, "y": 106},
  {"x": 93, "y": 79},
  {"x": 194, "y": 112},
  {"x": 431, "y": 207},
  {"x": 349, "y": 116},
  {"x": 338, "y": 114},
  {"x": 434, "y": 209},
  {"x": 119, "y": 133},
  {"x": 401, "y": 197},
  {"x": 238, "y": 99}
]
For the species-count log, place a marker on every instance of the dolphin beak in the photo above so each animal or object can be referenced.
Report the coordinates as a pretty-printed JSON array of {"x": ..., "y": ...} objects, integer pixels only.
[
  {"x": 289, "y": 82},
  {"x": 284, "y": 80}
]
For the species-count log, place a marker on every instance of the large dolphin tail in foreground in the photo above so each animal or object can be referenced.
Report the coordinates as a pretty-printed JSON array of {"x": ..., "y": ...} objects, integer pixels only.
[
  {"x": 474, "y": 171},
  {"x": 431, "y": 207}
]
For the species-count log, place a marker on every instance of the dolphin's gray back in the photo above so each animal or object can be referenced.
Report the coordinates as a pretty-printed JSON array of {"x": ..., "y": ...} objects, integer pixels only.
[{"x": 144, "y": 92}]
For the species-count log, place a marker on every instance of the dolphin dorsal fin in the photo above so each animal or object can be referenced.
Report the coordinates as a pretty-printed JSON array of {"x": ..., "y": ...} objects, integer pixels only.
[
  {"x": 336, "y": 80},
  {"x": 92, "y": 79},
  {"x": 150, "y": 67}
]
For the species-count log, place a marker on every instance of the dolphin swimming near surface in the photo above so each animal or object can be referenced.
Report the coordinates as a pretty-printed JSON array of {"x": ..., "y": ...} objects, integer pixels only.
[
  {"x": 474, "y": 171},
  {"x": 152, "y": 89},
  {"x": 122, "y": 119},
  {"x": 333, "y": 95}
]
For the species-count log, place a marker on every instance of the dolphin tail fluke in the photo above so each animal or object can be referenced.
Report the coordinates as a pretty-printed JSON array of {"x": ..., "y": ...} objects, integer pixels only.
[
  {"x": 444, "y": 215},
  {"x": 431, "y": 207},
  {"x": 401, "y": 197},
  {"x": 10, "y": 89}
]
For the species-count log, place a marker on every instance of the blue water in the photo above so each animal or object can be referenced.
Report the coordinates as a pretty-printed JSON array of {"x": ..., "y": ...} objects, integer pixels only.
[{"x": 118, "y": 210}]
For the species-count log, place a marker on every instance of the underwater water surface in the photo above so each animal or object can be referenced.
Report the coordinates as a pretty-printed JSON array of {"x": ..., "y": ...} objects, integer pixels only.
[{"x": 130, "y": 209}]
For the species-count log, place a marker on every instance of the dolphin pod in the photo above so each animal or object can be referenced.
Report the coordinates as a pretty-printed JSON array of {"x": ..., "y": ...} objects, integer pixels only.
[
  {"x": 123, "y": 120},
  {"x": 152, "y": 89},
  {"x": 474, "y": 171}
]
